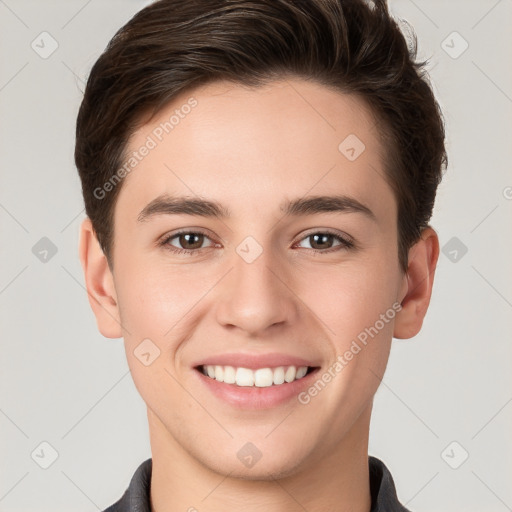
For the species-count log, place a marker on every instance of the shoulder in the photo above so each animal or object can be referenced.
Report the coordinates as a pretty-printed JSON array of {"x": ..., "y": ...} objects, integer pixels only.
[
  {"x": 136, "y": 496},
  {"x": 384, "y": 498}
]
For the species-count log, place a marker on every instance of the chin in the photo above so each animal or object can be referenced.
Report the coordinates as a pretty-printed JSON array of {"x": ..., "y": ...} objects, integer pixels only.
[
  {"x": 266, "y": 465},
  {"x": 262, "y": 471}
]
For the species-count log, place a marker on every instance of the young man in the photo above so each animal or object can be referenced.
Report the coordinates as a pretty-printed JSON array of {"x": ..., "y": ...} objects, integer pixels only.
[{"x": 258, "y": 177}]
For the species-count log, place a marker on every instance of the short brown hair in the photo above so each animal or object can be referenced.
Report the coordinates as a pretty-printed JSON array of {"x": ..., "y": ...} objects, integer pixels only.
[{"x": 172, "y": 46}]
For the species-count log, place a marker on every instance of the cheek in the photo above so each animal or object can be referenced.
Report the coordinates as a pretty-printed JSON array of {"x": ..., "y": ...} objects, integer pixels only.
[
  {"x": 153, "y": 306},
  {"x": 349, "y": 299},
  {"x": 162, "y": 304},
  {"x": 152, "y": 298}
]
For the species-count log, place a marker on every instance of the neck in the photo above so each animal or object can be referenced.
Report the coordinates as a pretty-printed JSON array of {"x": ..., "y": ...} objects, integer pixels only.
[{"x": 337, "y": 480}]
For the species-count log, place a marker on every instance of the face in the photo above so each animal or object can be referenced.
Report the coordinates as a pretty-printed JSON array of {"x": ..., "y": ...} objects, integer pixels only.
[{"x": 255, "y": 238}]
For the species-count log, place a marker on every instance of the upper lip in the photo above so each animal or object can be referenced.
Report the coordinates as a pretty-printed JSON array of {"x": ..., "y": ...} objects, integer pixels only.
[{"x": 254, "y": 361}]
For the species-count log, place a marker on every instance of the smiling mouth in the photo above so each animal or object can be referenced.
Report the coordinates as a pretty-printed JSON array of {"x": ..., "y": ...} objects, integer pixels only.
[{"x": 261, "y": 377}]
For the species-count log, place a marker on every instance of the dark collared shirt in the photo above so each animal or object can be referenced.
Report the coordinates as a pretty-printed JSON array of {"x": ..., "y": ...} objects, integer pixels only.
[{"x": 382, "y": 488}]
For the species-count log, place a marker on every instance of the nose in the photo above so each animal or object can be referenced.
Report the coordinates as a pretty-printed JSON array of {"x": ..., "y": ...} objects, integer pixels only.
[{"x": 256, "y": 296}]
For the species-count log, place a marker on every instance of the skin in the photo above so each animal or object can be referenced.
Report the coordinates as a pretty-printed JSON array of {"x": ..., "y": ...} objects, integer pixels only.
[{"x": 250, "y": 149}]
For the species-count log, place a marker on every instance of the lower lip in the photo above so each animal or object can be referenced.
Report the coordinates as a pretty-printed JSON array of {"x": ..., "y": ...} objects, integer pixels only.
[{"x": 252, "y": 397}]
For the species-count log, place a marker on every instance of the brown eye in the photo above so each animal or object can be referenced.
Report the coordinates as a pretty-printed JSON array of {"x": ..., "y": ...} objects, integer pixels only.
[
  {"x": 188, "y": 242},
  {"x": 321, "y": 241},
  {"x": 191, "y": 240},
  {"x": 324, "y": 241}
]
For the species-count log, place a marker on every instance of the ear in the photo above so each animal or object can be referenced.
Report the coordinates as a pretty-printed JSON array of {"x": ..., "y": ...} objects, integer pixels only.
[
  {"x": 99, "y": 282},
  {"x": 417, "y": 286}
]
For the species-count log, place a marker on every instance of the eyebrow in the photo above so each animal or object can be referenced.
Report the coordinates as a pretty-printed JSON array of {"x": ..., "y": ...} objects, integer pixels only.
[{"x": 168, "y": 205}]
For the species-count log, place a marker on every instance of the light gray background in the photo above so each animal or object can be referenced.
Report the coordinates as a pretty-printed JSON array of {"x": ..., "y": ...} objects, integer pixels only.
[{"x": 63, "y": 383}]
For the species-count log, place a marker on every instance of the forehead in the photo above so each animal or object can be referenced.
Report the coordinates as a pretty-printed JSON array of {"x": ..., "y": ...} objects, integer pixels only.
[{"x": 250, "y": 147}]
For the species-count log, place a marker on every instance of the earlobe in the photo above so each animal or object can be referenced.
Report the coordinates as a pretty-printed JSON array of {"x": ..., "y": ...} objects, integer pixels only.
[
  {"x": 418, "y": 283},
  {"x": 99, "y": 282}
]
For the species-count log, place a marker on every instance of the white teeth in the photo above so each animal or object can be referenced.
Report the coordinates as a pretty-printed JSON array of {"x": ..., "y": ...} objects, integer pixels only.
[
  {"x": 229, "y": 375},
  {"x": 261, "y": 378},
  {"x": 219, "y": 373},
  {"x": 244, "y": 377},
  {"x": 301, "y": 371},
  {"x": 279, "y": 375},
  {"x": 290, "y": 374}
]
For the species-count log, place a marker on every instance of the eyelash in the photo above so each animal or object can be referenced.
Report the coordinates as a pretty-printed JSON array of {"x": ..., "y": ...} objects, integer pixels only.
[{"x": 345, "y": 243}]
